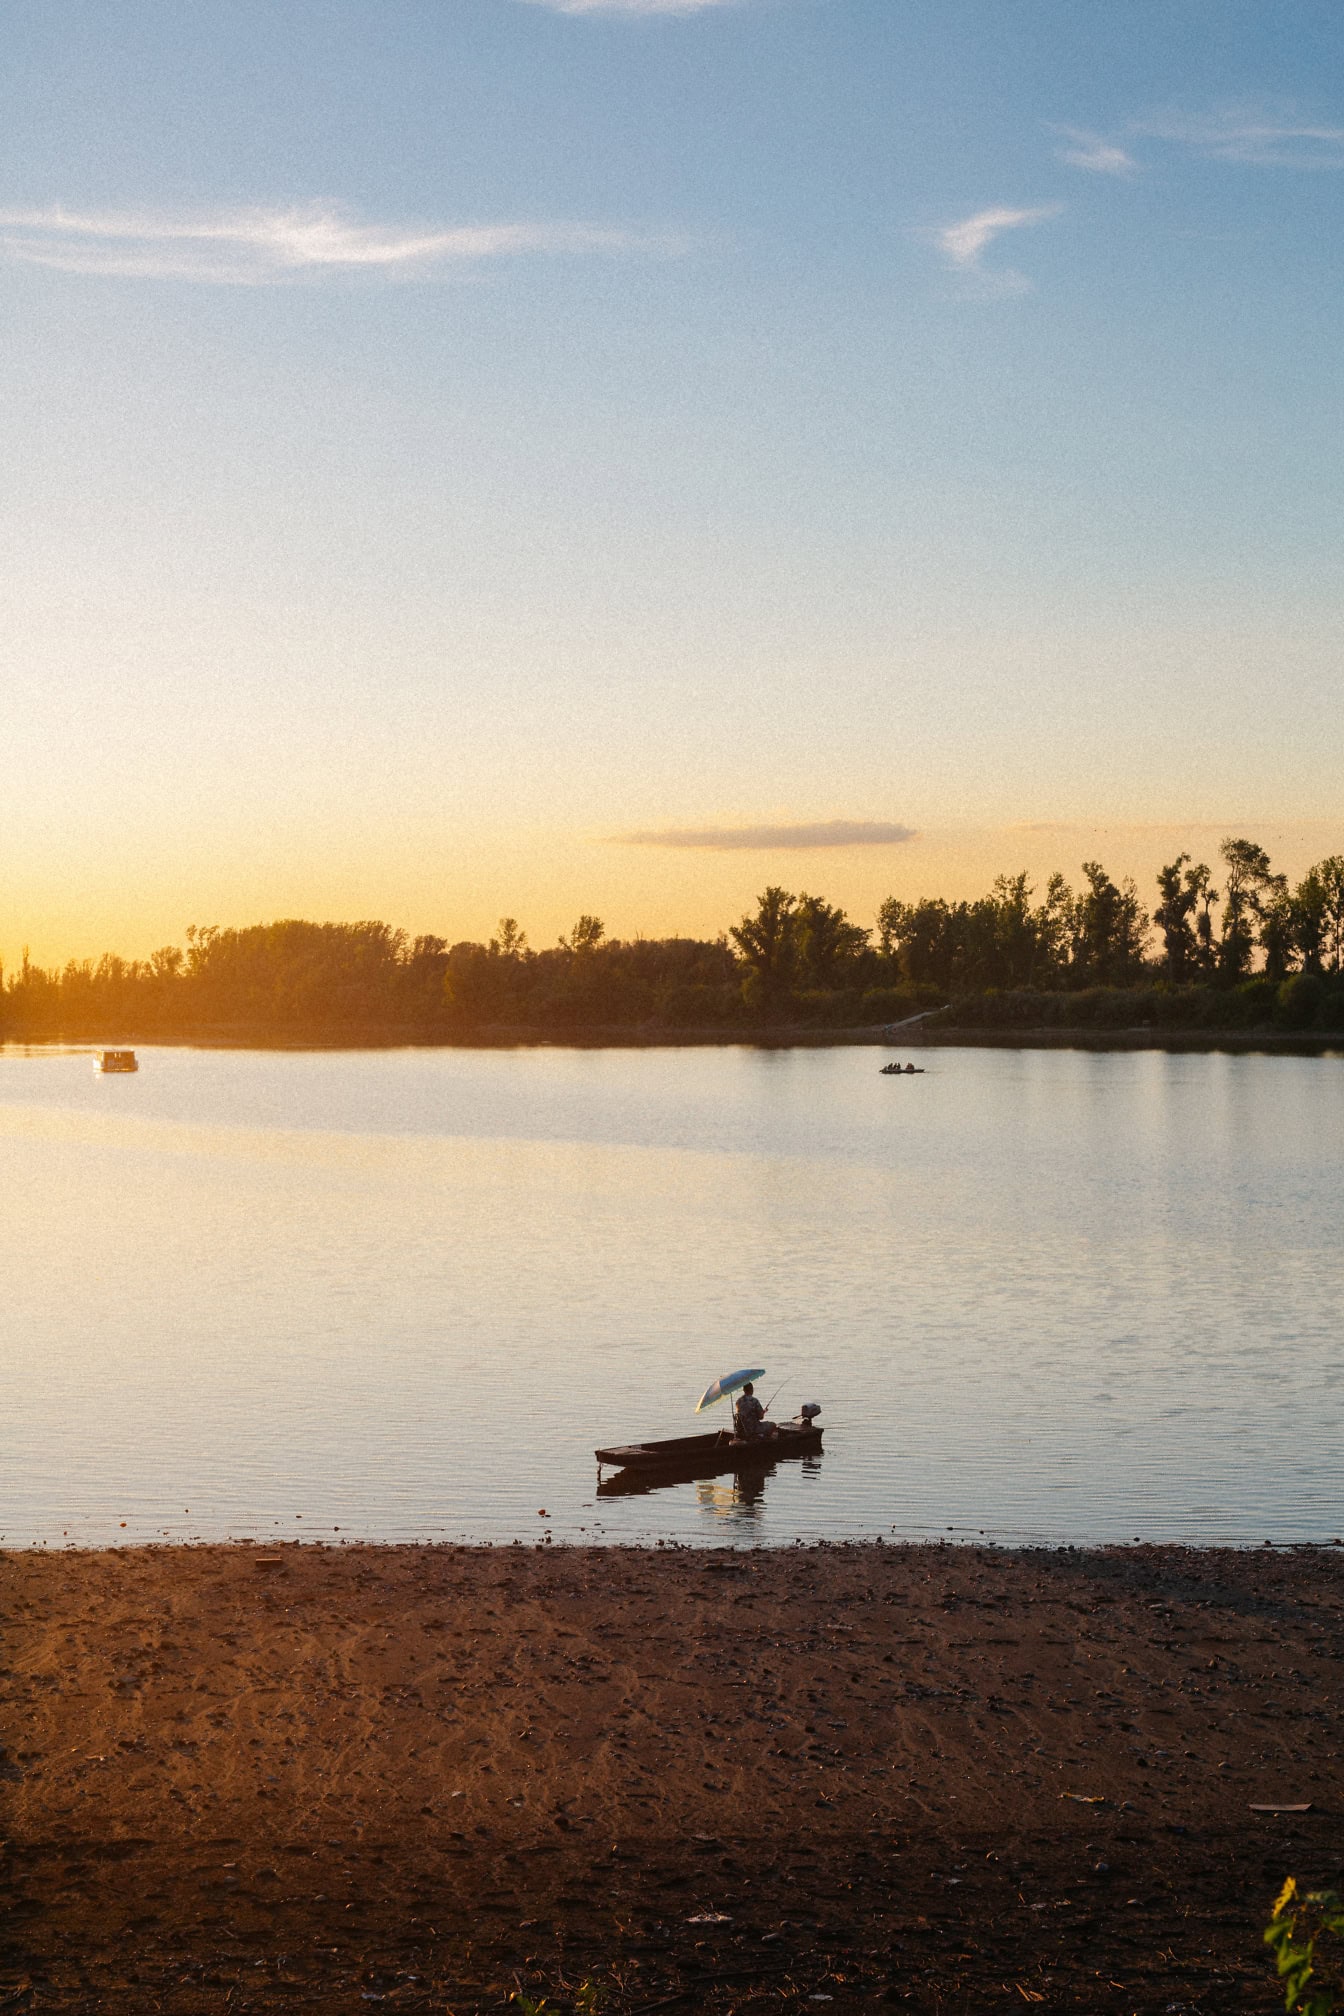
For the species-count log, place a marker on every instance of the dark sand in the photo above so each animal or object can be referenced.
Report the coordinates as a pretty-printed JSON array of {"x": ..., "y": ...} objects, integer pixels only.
[{"x": 335, "y": 1778}]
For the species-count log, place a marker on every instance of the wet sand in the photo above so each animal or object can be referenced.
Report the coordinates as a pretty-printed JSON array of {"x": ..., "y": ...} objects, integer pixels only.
[{"x": 950, "y": 1778}]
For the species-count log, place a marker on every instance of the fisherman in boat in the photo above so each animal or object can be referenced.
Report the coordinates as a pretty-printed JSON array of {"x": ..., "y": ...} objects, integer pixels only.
[{"x": 749, "y": 1417}]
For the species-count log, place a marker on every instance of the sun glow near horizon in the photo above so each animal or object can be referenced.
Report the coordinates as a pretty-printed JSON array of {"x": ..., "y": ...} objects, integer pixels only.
[{"x": 638, "y": 890}]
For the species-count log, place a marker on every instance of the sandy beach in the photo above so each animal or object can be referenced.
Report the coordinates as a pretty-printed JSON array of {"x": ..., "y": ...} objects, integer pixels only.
[{"x": 952, "y": 1778}]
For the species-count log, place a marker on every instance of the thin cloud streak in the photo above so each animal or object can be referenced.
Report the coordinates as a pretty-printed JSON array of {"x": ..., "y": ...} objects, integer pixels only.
[
  {"x": 1259, "y": 139},
  {"x": 1157, "y": 827},
  {"x": 1095, "y": 154},
  {"x": 825, "y": 833},
  {"x": 262, "y": 247}
]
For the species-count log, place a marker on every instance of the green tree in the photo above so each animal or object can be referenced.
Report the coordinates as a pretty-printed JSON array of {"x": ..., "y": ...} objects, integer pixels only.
[
  {"x": 1278, "y": 930},
  {"x": 1058, "y": 926},
  {"x": 1022, "y": 938},
  {"x": 1318, "y": 909},
  {"x": 922, "y": 938},
  {"x": 826, "y": 942},
  {"x": 998, "y": 941},
  {"x": 166, "y": 963},
  {"x": 201, "y": 938},
  {"x": 892, "y": 919},
  {"x": 1331, "y": 872},
  {"x": 1180, "y": 895},
  {"x": 1310, "y": 904},
  {"x": 1249, "y": 885},
  {"x": 585, "y": 936},
  {"x": 511, "y": 943},
  {"x": 1206, "y": 934},
  {"x": 1111, "y": 927},
  {"x": 767, "y": 947}
]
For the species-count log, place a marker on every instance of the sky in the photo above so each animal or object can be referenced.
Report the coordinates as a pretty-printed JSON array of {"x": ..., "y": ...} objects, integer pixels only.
[{"x": 526, "y": 457}]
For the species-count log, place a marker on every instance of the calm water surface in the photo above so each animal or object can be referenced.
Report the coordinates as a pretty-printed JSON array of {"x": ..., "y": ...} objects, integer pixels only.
[{"x": 1039, "y": 1294}]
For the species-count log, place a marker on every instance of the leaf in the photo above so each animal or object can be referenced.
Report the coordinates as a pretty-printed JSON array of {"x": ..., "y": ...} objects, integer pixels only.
[{"x": 1285, "y": 1896}]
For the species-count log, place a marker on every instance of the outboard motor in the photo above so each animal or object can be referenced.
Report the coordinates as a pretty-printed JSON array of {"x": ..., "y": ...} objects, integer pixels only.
[{"x": 808, "y": 1414}]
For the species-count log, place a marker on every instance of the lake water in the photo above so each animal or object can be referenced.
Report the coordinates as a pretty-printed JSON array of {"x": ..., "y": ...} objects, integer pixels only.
[{"x": 403, "y": 1294}]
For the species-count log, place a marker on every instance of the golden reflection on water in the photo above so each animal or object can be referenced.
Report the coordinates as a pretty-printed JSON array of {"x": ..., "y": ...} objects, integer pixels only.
[
  {"x": 399, "y": 1293},
  {"x": 731, "y": 1498}
]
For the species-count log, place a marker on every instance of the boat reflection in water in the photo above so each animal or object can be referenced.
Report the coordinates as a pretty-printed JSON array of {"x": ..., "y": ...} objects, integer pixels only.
[
  {"x": 743, "y": 1495},
  {"x": 725, "y": 1488}
]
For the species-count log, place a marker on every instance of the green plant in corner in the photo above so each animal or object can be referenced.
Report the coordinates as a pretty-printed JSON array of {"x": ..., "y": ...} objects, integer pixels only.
[{"x": 1295, "y": 1925}]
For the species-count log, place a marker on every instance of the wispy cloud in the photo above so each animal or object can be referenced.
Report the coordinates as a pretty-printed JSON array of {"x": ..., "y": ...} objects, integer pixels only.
[
  {"x": 1263, "y": 139},
  {"x": 632, "y": 6},
  {"x": 826, "y": 833},
  {"x": 1091, "y": 151},
  {"x": 965, "y": 243},
  {"x": 260, "y": 247}
]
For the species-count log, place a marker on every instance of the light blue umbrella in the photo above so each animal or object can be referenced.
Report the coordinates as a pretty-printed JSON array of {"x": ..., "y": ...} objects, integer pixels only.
[{"x": 723, "y": 1387}]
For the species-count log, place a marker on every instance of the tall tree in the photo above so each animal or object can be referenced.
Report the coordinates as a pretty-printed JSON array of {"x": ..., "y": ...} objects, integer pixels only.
[
  {"x": 585, "y": 936},
  {"x": 1180, "y": 898},
  {"x": 1310, "y": 924},
  {"x": 511, "y": 943},
  {"x": 1112, "y": 924},
  {"x": 1058, "y": 928},
  {"x": 767, "y": 946},
  {"x": 166, "y": 963},
  {"x": 1016, "y": 930},
  {"x": 892, "y": 919},
  {"x": 1249, "y": 884},
  {"x": 1330, "y": 874},
  {"x": 1200, "y": 879},
  {"x": 1278, "y": 929}
]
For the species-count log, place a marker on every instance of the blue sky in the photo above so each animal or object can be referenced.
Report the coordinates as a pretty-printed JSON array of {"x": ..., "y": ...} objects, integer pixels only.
[{"x": 444, "y": 439}]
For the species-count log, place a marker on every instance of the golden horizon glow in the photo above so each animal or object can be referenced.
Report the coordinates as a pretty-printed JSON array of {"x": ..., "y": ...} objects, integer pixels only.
[{"x": 546, "y": 881}]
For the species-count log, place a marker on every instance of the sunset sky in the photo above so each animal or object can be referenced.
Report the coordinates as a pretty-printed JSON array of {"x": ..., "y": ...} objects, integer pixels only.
[{"x": 535, "y": 456}]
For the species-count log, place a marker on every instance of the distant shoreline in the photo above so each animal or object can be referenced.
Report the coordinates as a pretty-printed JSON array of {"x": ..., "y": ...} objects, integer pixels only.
[
  {"x": 783, "y": 1036},
  {"x": 490, "y": 1037},
  {"x": 1308, "y": 1043}
]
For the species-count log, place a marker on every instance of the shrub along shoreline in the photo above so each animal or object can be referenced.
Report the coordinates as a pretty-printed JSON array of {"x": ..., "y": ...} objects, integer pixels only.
[{"x": 1305, "y": 1005}]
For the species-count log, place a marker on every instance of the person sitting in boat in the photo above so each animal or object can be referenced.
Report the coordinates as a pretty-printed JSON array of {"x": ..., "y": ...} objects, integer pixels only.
[{"x": 749, "y": 1416}]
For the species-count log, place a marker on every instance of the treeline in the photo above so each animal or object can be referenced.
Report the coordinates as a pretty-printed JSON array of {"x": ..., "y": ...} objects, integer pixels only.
[
  {"x": 369, "y": 981},
  {"x": 1236, "y": 947}
]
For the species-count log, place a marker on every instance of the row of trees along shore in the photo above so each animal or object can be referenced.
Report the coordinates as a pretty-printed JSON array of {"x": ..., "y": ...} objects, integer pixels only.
[{"x": 1222, "y": 948}]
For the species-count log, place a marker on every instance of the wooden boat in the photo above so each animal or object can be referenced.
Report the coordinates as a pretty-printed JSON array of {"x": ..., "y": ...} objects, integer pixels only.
[
  {"x": 116, "y": 1060},
  {"x": 708, "y": 1455}
]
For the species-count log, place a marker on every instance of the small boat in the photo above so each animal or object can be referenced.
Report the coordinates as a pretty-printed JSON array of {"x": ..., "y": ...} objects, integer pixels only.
[
  {"x": 708, "y": 1455},
  {"x": 116, "y": 1060},
  {"x": 902, "y": 1071}
]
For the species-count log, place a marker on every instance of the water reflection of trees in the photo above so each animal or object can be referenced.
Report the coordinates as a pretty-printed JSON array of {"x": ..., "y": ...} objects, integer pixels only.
[{"x": 728, "y": 1494}]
